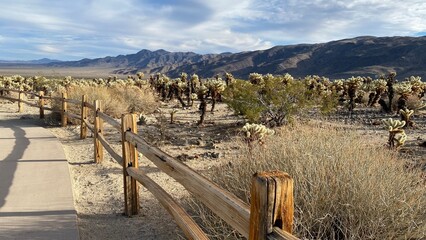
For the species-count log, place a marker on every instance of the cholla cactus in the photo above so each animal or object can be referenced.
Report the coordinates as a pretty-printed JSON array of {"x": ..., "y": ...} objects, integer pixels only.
[
  {"x": 406, "y": 116},
  {"x": 140, "y": 75},
  {"x": 268, "y": 77},
  {"x": 256, "y": 132},
  {"x": 379, "y": 86},
  {"x": 229, "y": 79},
  {"x": 404, "y": 89},
  {"x": 352, "y": 85},
  {"x": 202, "y": 90},
  {"x": 195, "y": 80},
  {"x": 417, "y": 86},
  {"x": 216, "y": 87},
  {"x": 193, "y": 98},
  {"x": 397, "y": 136},
  {"x": 287, "y": 79},
  {"x": 201, "y": 93},
  {"x": 256, "y": 78},
  {"x": 338, "y": 85},
  {"x": 181, "y": 85}
]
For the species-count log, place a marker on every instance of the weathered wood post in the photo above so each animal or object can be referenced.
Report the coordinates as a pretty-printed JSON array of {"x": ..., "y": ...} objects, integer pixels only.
[
  {"x": 84, "y": 110},
  {"x": 20, "y": 105},
  {"x": 98, "y": 129},
  {"x": 272, "y": 204},
  {"x": 130, "y": 158},
  {"x": 64, "y": 117},
  {"x": 41, "y": 103}
]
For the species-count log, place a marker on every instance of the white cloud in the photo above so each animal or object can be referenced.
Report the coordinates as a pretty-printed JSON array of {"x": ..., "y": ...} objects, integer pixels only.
[
  {"x": 49, "y": 49},
  {"x": 111, "y": 27}
]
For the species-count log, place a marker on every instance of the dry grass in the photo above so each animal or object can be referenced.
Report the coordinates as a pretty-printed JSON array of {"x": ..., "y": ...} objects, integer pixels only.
[
  {"x": 345, "y": 188},
  {"x": 115, "y": 100}
]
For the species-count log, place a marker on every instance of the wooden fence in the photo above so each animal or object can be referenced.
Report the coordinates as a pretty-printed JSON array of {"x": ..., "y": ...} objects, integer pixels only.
[{"x": 270, "y": 215}]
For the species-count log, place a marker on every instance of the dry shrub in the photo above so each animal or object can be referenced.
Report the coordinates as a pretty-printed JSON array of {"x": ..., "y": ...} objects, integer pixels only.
[
  {"x": 115, "y": 100},
  {"x": 345, "y": 188}
]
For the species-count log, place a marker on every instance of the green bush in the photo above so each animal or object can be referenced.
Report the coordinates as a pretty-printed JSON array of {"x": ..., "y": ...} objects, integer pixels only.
[{"x": 271, "y": 102}]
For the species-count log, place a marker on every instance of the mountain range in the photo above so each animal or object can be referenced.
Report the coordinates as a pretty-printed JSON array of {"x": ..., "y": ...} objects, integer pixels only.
[
  {"x": 30, "y": 62},
  {"x": 366, "y": 56}
]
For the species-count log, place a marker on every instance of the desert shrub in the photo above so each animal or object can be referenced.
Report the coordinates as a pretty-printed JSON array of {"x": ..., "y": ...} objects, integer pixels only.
[
  {"x": 115, "y": 100},
  {"x": 141, "y": 100},
  {"x": 242, "y": 97},
  {"x": 345, "y": 187},
  {"x": 271, "y": 102}
]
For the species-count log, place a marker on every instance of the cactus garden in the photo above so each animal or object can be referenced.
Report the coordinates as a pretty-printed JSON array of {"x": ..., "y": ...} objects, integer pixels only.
[{"x": 356, "y": 147}]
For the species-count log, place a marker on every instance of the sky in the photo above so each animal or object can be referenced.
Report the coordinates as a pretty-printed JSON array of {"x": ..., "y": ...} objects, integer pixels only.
[{"x": 72, "y": 30}]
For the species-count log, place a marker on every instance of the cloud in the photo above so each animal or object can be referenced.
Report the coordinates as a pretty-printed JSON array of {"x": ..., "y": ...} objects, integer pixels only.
[
  {"x": 49, "y": 49},
  {"x": 97, "y": 28}
]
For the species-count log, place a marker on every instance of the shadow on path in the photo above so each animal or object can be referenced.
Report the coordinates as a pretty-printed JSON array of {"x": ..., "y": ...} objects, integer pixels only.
[{"x": 9, "y": 164}]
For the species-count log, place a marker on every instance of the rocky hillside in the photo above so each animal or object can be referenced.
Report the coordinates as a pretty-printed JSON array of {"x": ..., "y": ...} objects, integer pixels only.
[{"x": 358, "y": 56}]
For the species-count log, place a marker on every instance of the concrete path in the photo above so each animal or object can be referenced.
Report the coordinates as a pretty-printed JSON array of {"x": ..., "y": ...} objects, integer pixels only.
[{"x": 36, "y": 200}]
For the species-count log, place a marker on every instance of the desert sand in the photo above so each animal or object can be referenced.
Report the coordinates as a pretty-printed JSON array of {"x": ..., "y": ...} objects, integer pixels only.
[{"x": 98, "y": 188}]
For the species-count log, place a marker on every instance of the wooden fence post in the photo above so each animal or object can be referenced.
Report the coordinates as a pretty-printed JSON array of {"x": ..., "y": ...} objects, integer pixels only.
[
  {"x": 20, "y": 105},
  {"x": 64, "y": 118},
  {"x": 272, "y": 204},
  {"x": 41, "y": 103},
  {"x": 130, "y": 158},
  {"x": 98, "y": 129},
  {"x": 83, "y": 127}
]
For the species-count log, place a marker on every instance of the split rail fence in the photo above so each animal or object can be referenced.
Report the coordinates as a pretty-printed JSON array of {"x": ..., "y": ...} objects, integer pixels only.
[{"x": 270, "y": 215}]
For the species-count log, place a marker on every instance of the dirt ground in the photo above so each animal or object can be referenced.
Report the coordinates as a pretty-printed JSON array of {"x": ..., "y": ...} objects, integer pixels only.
[{"x": 98, "y": 188}]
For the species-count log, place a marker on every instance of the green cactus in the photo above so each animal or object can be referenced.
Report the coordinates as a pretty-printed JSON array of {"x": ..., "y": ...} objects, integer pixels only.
[
  {"x": 406, "y": 115},
  {"x": 216, "y": 87},
  {"x": 256, "y": 132},
  {"x": 201, "y": 93},
  {"x": 256, "y": 78},
  {"x": 397, "y": 136}
]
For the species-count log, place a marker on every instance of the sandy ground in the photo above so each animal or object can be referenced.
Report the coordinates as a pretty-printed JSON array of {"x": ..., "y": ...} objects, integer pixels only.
[{"x": 98, "y": 188}]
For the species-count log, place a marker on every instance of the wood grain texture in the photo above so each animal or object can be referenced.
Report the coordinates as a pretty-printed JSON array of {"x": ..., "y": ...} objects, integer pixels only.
[
  {"x": 89, "y": 126},
  {"x": 279, "y": 234},
  {"x": 83, "y": 113},
  {"x": 29, "y": 103},
  {"x": 64, "y": 119},
  {"x": 73, "y": 101},
  {"x": 41, "y": 103},
  {"x": 272, "y": 204},
  {"x": 20, "y": 105},
  {"x": 130, "y": 159},
  {"x": 75, "y": 116},
  {"x": 90, "y": 106},
  {"x": 226, "y": 205},
  {"x": 110, "y": 120},
  {"x": 109, "y": 149},
  {"x": 98, "y": 129},
  {"x": 182, "y": 218}
]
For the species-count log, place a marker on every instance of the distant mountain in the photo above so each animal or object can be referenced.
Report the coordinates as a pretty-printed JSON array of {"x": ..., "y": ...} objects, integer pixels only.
[
  {"x": 39, "y": 61},
  {"x": 369, "y": 56}
]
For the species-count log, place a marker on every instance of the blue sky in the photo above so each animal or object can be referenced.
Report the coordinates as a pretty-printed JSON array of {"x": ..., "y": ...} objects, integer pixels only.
[{"x": 72, "y": 30}]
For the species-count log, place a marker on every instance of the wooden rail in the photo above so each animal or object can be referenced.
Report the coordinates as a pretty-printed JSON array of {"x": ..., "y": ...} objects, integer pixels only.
[
  {"x": 183, "y": 220},
  {"x": 270, "y": 215},
  {"x": 110, "y": 120},
  {"x": 226, "y": 205}
]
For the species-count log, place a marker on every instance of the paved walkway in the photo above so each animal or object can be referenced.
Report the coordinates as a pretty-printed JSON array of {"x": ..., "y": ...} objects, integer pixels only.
[{"x": 36, "y": 199}]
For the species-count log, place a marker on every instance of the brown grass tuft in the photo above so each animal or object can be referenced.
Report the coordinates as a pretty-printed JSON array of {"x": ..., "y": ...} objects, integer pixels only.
[
  {"x": 115, "y": 100},
  {"x": 345, "y": 188}
]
